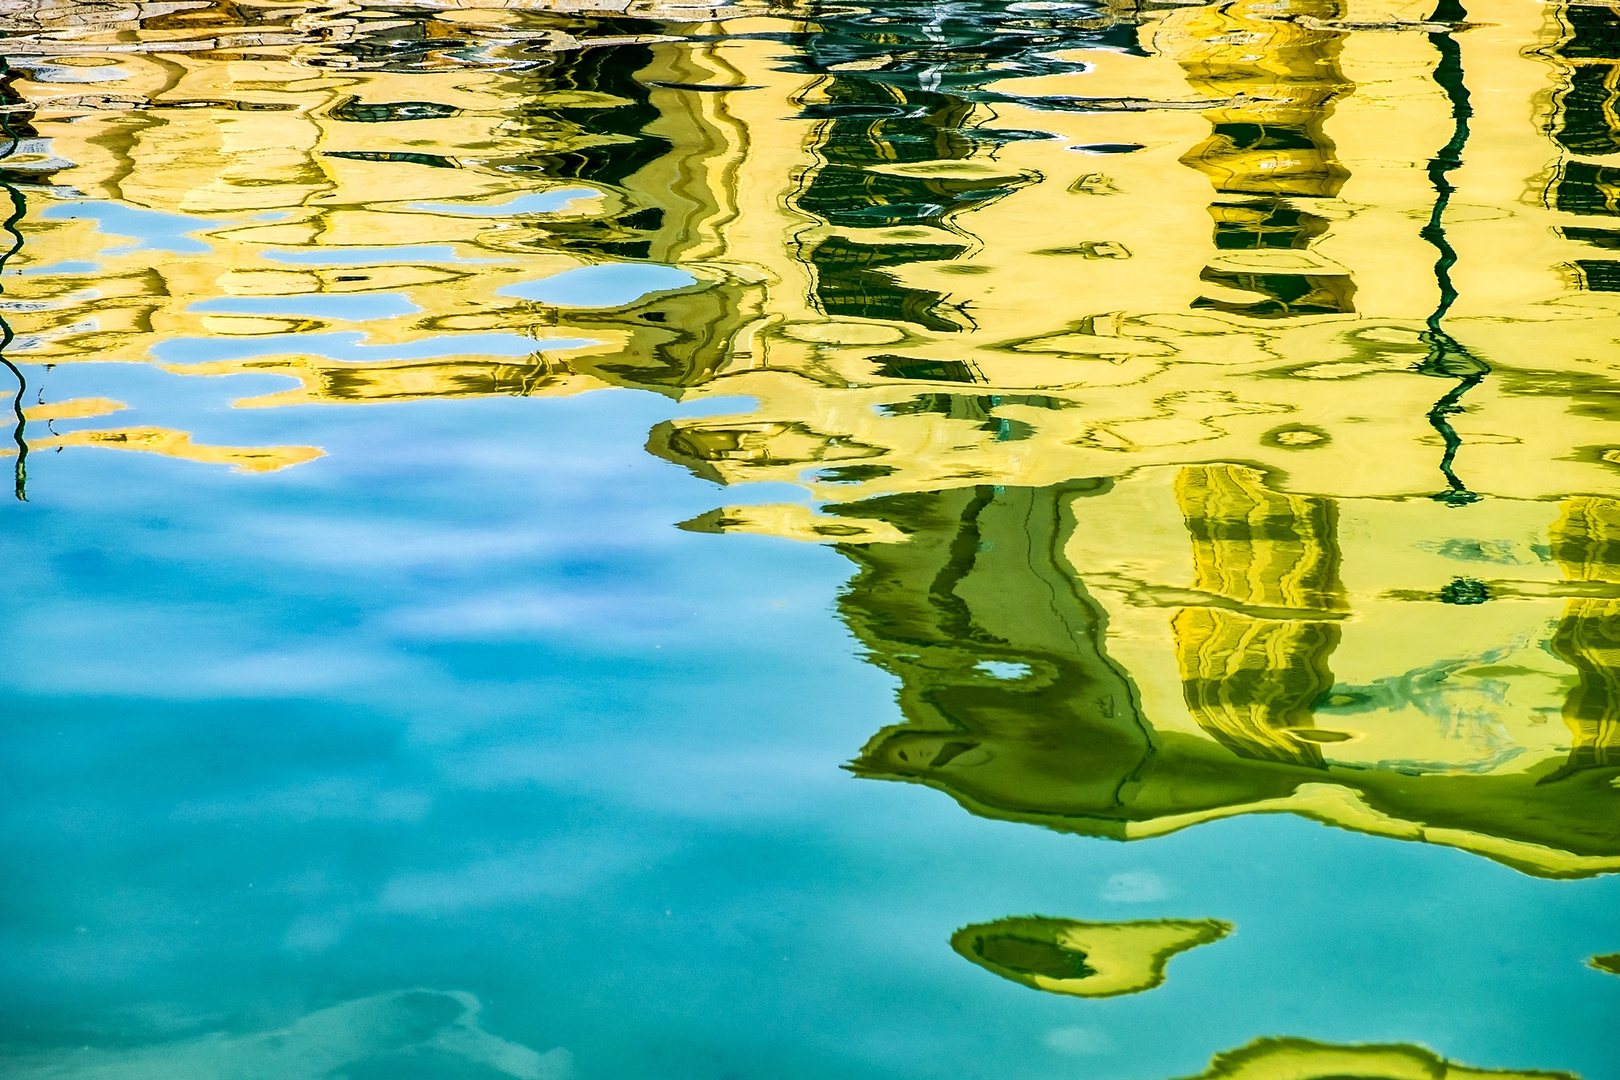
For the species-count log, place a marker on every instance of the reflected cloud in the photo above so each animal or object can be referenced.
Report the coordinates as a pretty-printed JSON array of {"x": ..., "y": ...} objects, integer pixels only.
[
  {"x": 330, "y": 799},
  {"x": 1079, "y": 1041},
  {"x": 1135, "y": 887}
]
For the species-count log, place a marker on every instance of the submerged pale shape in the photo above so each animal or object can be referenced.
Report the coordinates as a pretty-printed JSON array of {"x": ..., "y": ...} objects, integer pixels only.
[{"x": 417, "y": 1032}]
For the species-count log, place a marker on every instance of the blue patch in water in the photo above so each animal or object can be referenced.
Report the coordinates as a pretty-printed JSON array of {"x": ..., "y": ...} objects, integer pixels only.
[
  {"x": 355, "y": 307},
  {"x": 1001, "y": 669},
  {"x": 536, "y": 202},
  {"x": 606, "y": 285},
  {"x": 152, "y": 230},
  {"x": 63, "y": 268}
]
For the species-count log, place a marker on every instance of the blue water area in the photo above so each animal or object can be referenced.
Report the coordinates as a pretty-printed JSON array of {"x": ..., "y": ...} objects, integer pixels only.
[
  {"x": 449, "y": 748},
  {"x": 67, "y": 267},
  {"x": 153, "y": 230},
  {"x": 603, "y": 285},
  {"x": 538, "y": 202}
]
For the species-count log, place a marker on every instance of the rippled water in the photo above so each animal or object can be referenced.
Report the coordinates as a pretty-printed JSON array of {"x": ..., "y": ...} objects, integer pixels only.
[{"x": 517, "y": 502}]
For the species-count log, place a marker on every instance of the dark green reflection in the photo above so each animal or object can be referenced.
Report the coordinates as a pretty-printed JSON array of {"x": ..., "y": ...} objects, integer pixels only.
[
  {"x": 923, "y": 72},
  {"x": 1447, "y": 358},
  {"x": 1028, "y": 956},
  {"x": 1302, "y": 1059},
  {"x": 1085, "y": 959},
  {"x": 1588, "y": 122},
  {"x": 15, "y": 127},
  {"x": 1014, "y": 707}
]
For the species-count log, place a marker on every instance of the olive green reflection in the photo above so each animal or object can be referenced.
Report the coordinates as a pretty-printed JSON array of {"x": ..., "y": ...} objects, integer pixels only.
[
  {"x": 1086, "y": 959},
  {"x": 1587, "y": 121},
  {"x": 1301, "y": 1059},
  {"x": 1014, "y": 707},
  {"x": 1586, "y": 544}
]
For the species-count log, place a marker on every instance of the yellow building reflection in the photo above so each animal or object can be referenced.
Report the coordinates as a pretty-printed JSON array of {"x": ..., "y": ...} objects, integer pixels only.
[
  {"x": 1131, "y": 348},
  {"x": 1586, "y": 544},
  {"x": 1302, "y": 1059},
  {"x": 1251, "y": 680}
]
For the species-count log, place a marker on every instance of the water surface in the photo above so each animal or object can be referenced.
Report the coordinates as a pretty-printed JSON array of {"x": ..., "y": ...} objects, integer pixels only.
[{"x": 959, "y": 539}]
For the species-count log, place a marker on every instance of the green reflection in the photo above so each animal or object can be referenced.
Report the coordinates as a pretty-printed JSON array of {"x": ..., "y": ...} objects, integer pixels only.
[
  {"x": 983, "y": 578},
  {"x": 1586, "y": 544},
  {"x": 1085, "y": 959},
  {"x": 15, "y": 128},
  {"x": 1301, "y": 1059}
]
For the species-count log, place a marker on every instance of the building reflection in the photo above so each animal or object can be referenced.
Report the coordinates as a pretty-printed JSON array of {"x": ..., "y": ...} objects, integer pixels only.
[
  {"x": 1586, "y": 544},
  {"x": 1250, "y": 680},
  {"x": 1016, "y": 705},
  {"x": 1276, "y": 68},
  {"x": 1584, "y": 124},
  {"x": 957, "y": 257},
  {"x": 1303, "y": 1059}
]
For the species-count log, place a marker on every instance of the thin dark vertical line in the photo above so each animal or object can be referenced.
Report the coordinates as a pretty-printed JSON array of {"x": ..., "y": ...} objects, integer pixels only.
[
  {"x": 1447, "y": 358},
  {"x": 19, "y": 207}
]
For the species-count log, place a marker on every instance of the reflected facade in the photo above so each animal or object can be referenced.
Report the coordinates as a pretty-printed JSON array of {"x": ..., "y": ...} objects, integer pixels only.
[{"x": 1301, "y": 1059}]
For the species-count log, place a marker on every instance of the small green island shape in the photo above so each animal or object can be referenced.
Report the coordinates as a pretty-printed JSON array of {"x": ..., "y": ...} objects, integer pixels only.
[
  {"x": 1609, "y": 963},
  {"x": 1086, "y": 959},
  {"x": 1301, "y": 1059}
]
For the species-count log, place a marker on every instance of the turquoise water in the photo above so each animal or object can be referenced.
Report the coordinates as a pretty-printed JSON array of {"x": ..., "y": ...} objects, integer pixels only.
[{"x": 458, "y": 710}]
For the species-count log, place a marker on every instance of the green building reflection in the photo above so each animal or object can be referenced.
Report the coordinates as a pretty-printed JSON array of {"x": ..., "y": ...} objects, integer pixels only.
[
  {"x": 1014, "y": 707},
  {"x": 1302, "y": 1059},
  {"x": 1588, "y": 120},
  {"x": 1586, "y": 544}
]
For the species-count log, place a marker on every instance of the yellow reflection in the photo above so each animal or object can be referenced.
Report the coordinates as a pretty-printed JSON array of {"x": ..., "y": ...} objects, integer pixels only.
[
  {"x": 1130, "y": 370},
  {"x": 178, "y": 444},
  {"x": 1586, "y": 543},
  {"x": 1085, "y": 959},
  {"x": 1301, "y": 1059},
  {"x": 74, "y": 409},
  {"x": 1037, "y": 689},
  {"x": 1251, "y": 682}
]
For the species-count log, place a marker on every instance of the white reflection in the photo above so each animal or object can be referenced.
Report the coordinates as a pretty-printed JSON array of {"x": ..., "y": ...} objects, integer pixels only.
[{"x": 425, "y": 1033}]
